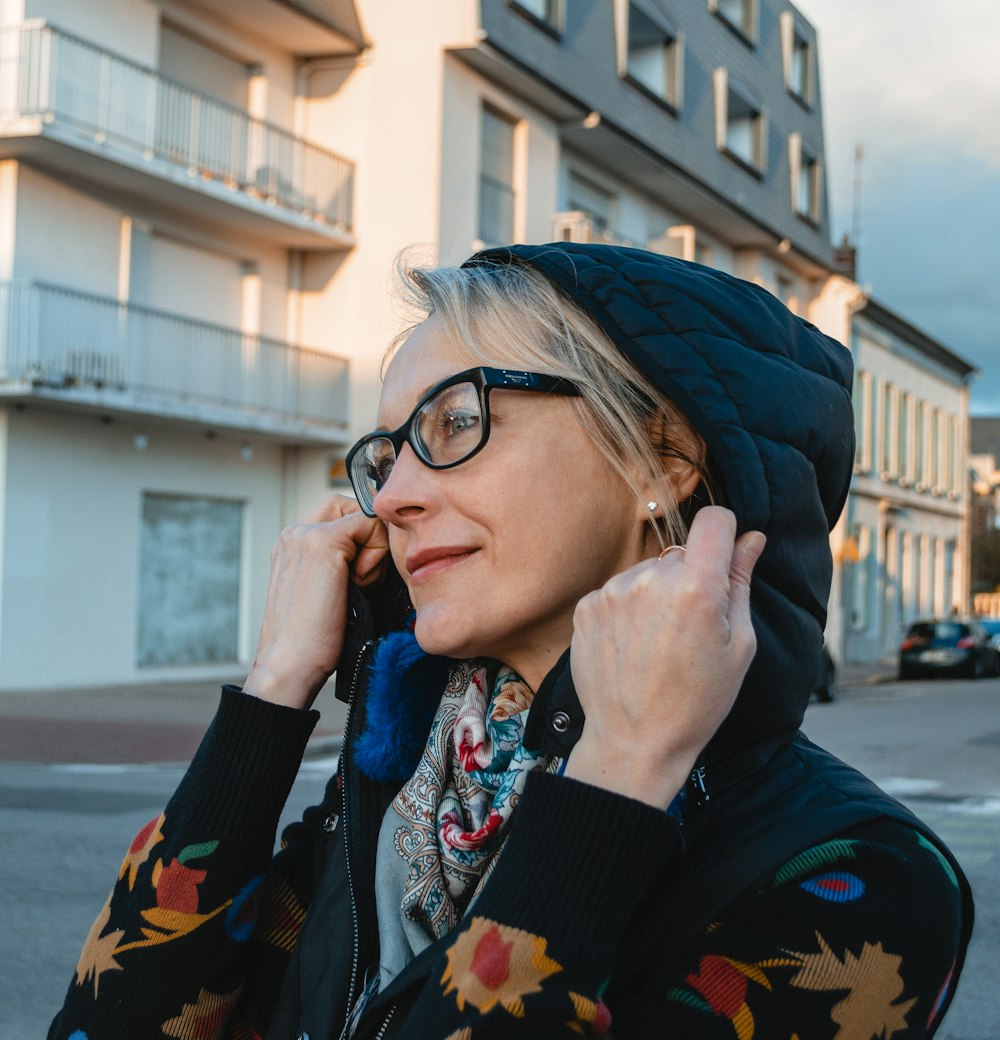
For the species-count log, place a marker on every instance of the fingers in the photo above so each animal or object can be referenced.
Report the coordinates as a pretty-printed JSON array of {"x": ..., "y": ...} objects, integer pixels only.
[
  {"x": 746, "y": 552},
  {"x": 710, "y": 539},
  {"x": 712, "y": 548},
  {"x": 331, "y": 508},
  {"x": 368, "y": 534}
]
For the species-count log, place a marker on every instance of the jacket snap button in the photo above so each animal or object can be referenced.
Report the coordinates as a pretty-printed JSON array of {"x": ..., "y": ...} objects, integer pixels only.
[
  {"x": 302, "y": 1036},
  {"x": 560, "y": 721},
  {"x": 330, "y": 825}
]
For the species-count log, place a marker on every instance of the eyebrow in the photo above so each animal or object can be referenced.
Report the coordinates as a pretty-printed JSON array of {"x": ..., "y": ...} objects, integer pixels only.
[{"x": 420, "y": 397}]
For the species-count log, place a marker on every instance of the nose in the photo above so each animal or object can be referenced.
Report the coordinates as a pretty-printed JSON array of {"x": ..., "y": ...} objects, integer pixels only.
[{"x": 407, "y": 490}]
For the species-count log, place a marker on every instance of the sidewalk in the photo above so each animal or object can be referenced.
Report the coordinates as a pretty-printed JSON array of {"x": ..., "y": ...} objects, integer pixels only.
[
  {"x": 164, "y": 722},
  {"x": 154, "y": 722}
]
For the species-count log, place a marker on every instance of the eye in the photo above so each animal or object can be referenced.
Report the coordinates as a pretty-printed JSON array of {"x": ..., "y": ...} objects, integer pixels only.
[
  {"x": 379, "y": 465},
  {"x": 456, "y": 421},
  {"x": 449, "y": 426}
]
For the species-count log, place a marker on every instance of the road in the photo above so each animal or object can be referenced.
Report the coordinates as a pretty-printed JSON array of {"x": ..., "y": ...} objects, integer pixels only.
[
  {"x": 936, "y": 747},
  {"x": 64, "y": 828}
]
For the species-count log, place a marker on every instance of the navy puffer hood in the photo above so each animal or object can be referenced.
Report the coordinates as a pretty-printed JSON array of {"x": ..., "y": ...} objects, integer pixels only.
[{"x": 770, "y": 394}]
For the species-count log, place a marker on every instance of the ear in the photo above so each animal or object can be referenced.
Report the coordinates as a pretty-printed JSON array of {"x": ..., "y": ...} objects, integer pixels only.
[{"x": 683, "y": 476}]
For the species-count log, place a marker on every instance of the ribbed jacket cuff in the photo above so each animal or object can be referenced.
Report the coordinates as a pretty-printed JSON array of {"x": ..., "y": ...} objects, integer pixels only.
[
  {"x": 577, "y": 863},
  {"x": 239, "y": 779}
]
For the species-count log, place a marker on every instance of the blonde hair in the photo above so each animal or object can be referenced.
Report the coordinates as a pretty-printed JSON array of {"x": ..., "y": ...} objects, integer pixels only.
[{"x": 512, "y": 315}]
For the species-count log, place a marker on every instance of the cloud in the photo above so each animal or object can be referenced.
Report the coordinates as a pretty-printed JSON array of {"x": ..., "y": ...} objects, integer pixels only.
[
  {"x": 919, "y": 87},
  {"x": 910, "y": 76}
]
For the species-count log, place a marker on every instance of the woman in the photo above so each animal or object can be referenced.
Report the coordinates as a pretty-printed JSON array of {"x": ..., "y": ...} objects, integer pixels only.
[{"x": 537, "y": 665}]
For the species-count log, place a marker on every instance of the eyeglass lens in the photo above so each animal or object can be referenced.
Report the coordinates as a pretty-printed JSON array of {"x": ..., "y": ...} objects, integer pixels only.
[{"x": 446, "y": 429}]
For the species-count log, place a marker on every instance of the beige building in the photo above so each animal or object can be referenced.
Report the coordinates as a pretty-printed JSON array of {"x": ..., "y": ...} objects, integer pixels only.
[{"x": 902, "y": 549}]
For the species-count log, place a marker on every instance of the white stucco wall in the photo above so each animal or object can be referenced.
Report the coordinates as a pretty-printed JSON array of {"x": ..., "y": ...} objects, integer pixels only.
[
  {"x": 9, "y": 169},
  {"x": 71, "y": 540},
  {"x": 904, "y": 546}
]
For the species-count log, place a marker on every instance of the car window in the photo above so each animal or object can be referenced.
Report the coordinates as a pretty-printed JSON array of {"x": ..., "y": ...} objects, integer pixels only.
[{"x": 944, "y": 630}]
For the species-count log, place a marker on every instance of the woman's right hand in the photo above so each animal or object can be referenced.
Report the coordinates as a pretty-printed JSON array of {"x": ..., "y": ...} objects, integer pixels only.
[{"x": 302, "y": 634}]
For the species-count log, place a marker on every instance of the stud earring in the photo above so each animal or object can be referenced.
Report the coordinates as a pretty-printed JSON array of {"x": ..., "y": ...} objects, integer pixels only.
[{"x": 651, "y": 506}]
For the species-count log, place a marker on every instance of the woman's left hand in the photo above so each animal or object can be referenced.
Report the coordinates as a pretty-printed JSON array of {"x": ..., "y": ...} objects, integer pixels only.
[{"x": 658, "y": 656}]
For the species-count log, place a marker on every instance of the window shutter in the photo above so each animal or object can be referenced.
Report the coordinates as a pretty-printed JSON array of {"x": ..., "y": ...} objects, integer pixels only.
[{"x": 201, "y": 67}]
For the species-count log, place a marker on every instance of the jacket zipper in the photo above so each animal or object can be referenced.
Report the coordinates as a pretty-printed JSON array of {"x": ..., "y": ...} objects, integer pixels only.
[
  {"x": 385, "y": 1022},
  {"x": 346, "y": 818},
  {"x": 698, "y": 783}
]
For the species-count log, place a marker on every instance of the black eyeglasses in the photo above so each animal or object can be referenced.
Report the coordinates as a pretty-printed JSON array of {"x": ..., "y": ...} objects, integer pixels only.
[{"x": 450, "y": 424}]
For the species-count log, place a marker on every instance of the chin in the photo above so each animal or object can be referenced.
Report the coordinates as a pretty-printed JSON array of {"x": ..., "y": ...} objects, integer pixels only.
[{"x": 448, "y": 632}]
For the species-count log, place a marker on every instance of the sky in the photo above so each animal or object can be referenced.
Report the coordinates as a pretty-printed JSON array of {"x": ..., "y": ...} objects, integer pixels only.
[{"x": 917, "y": 84}]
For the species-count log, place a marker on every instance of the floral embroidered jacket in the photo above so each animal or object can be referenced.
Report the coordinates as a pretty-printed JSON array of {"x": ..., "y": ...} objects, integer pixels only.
[{"x": 196, "y": 936}]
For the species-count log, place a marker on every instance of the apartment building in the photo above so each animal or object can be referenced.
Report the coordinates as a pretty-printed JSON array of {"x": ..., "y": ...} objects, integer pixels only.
[
  {"x": 162, "y": 409},
  {"x": 903, "y": 547}
]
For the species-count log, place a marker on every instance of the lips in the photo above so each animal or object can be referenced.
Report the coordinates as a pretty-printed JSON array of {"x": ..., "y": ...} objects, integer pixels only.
[{"x": 431, "y": 561}]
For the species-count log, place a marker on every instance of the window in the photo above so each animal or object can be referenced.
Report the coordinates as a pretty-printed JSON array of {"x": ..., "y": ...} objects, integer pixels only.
[
  {"x": 796, "y": 58},
  {"x": 739, "y": 123},
  {"x": 942, "y": 451},
  {"x": 932, "y": 447},
  {"x": 548, "y": 12},
  {"x": 496, "y": 178},
  {"x": 887, "y": 457},
  {"x": 919, "y": 455},
  {"x": 653, "y": 56},
  {"x": 857, "y": 556},
  {"x": 957, "y": 460},
  {"x": 587, "y": 197},
  {"x": 806, "y": 178},
  {"x": 863, "y": 421},
  {"x": 189, "y": 580},
  {"x": 906, "y": 406},
  {"x": 737, "y": 14}
]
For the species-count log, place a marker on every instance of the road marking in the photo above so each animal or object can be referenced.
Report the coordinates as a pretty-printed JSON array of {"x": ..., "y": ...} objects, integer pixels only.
[{"x": 908, "y": 785}]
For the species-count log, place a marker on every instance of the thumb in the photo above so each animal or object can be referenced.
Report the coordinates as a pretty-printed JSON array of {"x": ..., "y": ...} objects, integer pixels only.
[{"x": 746, "y": 552}]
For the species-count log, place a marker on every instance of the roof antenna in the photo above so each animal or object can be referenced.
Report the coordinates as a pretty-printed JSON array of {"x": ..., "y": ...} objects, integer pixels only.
[{"x": 859, "y": 154}]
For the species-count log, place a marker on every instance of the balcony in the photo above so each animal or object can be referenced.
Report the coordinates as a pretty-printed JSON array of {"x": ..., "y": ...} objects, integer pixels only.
[
  {"x": 68, "y": 105},
  {"x": 76, "y": 350},
  {"x": 308, "y": 28},
  {"x": 581, "y": 226}
]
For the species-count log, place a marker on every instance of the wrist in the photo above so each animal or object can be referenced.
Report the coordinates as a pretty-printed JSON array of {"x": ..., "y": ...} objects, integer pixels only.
[
  {"x": 655, "y": 780},
  {"x": 287, "y": 686}
]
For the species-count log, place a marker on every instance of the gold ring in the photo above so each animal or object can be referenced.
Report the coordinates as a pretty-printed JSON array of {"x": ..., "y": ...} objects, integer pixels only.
[{"x": 670, "y": 548}]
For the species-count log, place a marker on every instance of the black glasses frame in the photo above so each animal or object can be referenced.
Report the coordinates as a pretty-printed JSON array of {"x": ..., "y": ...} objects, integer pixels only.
[{"x": 484, "y": 380}]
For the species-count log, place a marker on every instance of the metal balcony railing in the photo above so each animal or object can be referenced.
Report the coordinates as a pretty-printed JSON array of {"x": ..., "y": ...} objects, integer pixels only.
[
  {"x": 57, "y": 339},
  {"x": 66, "y": 81}
]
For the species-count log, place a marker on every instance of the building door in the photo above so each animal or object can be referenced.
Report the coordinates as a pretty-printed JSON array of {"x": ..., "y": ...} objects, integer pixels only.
[{"x": 189, "y": 580}]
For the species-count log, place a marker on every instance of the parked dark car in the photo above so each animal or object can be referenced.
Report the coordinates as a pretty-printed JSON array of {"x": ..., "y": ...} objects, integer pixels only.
[
  {"x": 992, "y": 626},
  {"x": 948, "y": 646}
]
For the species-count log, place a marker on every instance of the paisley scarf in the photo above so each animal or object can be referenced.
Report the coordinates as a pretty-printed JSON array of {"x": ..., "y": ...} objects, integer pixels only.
[{"x": 454, "y": 813}]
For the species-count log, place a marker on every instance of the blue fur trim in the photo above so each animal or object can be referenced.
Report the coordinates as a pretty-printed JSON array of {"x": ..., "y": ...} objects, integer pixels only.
[{"x": 404, "y": 691}]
